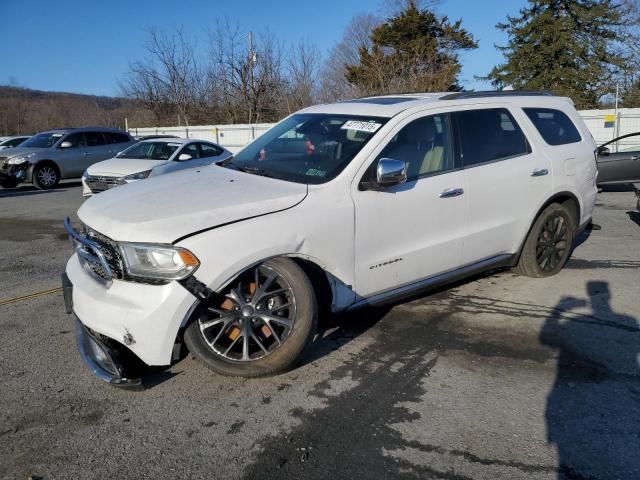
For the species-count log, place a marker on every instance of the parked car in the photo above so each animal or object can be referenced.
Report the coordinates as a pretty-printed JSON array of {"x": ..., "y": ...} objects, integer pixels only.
[
  {"x": 11, "y": 142},
  {"x": 622, "y": 165},
  {"x": 54, "y": 155},
  {"x": 150, "y": 158},
  {"x": 336, "y": 207}
]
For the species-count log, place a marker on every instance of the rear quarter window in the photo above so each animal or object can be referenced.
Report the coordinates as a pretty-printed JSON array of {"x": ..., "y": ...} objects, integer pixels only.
[{"x": 554, "y": 126}]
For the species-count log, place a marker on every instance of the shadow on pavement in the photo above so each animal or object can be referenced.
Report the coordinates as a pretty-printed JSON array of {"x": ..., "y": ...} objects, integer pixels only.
[
  {"x": 635, "y": 217},
  {"x": 26, "y": 190},
  {"x": 592, "y": 410}
]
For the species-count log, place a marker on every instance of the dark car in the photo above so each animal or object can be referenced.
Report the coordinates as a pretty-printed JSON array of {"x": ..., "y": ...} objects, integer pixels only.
[{"x": 619, "y": 160}]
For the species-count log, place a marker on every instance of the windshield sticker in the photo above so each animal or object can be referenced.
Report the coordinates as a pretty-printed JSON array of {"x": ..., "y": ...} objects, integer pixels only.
[
  {"x": 312, "y": 172},
  {"x": 360, "y": 126}
]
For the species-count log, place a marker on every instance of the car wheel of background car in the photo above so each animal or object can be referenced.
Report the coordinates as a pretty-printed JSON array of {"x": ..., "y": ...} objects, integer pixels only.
[
  {"x": 549, "y": 243},
  {"x": 268, "y": 317},
  {"x": 9, "y": 183},
  {"x": 45, "y": 176}
]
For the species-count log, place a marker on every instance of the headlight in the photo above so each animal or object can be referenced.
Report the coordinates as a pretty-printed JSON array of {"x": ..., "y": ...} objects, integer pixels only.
[
  {"x": 137, "y": 176},
  {"x": 19, "y": 159},
  {"x": 158, "y": 262}
]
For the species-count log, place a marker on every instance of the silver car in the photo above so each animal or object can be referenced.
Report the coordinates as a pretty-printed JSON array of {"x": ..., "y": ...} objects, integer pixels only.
[{"x": 54, "y": 155}]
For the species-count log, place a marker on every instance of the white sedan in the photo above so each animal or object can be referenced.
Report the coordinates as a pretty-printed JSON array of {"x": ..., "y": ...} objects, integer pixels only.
[{"x": 150, "y": 158}]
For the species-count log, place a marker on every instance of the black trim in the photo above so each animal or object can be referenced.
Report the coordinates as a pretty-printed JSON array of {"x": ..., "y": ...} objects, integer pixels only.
[
  {"x": 184, "y": 237},
  {"x": 492, "y": 93}
]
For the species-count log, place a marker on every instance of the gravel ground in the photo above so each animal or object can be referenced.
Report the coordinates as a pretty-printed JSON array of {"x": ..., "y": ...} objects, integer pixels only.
[{"x": 499, "y": 377}]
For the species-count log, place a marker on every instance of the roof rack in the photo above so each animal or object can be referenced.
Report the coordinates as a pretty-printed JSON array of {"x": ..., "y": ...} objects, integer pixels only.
[{"x": 500, "y": 93}]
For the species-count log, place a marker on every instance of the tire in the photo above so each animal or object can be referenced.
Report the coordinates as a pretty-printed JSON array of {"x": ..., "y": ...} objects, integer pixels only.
[
  {"x": 9, "y": 183},
  {"x": 549, "y": 243},
  {"x": 45, "y": 176},
  {"x": 263, "y": 325}
]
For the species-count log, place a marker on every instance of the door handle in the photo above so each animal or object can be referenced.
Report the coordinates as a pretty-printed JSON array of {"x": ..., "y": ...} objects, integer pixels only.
[
  {"x": 451, "y": 192},
  {"x": 540, "y": 172}
]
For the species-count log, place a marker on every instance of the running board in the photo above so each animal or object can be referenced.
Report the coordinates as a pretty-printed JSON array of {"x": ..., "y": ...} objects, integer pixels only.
[{"x": 430, "y": 283}]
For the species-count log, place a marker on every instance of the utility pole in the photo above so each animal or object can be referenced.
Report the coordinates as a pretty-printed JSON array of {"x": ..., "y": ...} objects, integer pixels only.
[
  {"x": 251, "y": 63},
  {"x": 615, "y": 125}
]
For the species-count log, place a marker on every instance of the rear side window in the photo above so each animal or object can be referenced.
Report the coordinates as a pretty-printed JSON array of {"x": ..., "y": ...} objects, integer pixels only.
[
  {"x": 208, "y": 150},
  {"x": 554, "y": 126},
  {"x": 116, "y": 137},
  {"x": 488, "y": 135}
]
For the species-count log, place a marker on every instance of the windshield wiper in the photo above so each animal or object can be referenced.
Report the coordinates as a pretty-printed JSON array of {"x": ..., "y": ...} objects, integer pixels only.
[{"x": 245, "y": 169}]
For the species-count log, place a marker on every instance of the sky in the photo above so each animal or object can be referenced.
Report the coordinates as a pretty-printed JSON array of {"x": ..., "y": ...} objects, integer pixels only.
[{"x": 85, "y": 46}]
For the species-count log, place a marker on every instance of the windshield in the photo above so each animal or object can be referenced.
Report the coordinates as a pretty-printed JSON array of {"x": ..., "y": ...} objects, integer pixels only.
[
  {"x": 307, "y": 148},
  {"x": 43, "y": 140},
  {"x": 150, "y": 151}
]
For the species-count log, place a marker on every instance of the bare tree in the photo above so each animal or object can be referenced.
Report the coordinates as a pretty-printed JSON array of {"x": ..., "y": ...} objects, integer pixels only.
[
  {"x": 303, "y": 70},
  {"x": 357, "y": 36}
]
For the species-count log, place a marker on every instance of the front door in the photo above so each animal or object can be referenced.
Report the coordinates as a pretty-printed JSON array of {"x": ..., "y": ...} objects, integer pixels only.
[{"x": 414, "y": 230}]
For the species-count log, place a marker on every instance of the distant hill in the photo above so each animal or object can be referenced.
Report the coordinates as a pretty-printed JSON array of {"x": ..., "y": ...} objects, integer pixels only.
[{"x": 26, "y": 111}]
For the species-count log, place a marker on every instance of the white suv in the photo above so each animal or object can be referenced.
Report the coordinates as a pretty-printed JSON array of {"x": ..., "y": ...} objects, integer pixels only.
[{"x": 338, "y": 206}]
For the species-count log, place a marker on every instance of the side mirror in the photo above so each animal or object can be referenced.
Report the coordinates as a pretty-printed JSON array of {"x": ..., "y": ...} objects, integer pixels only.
[
  {"x": 184, "y": 156},
  {"x": 604, "y": 151},
  {"x": 391, "y": 172},
  {"x": 66, "y": 144}
]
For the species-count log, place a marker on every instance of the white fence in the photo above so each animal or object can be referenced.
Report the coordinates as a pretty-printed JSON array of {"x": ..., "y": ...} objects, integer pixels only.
[
  {"x": 604, "y": 125},
  {"x": 232, "y": 137}
]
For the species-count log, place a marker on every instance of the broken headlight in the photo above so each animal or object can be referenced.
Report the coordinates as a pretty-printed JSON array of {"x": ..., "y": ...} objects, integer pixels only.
[
  {"x": 157, "y": 262},
  {"x": 19, "y": 159}
]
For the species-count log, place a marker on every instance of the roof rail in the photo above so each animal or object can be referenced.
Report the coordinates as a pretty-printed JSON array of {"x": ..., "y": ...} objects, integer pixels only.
[{"x": 498, "y": 93}]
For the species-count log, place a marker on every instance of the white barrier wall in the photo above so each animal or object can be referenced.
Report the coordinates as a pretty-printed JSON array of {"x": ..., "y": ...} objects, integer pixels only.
[{"x": 604, "y": 125}]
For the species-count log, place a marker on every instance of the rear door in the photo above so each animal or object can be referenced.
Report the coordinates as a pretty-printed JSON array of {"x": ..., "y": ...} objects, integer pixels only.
[
  {"x": 97, "y": 148},
  {"x": 506, "y": 179}
]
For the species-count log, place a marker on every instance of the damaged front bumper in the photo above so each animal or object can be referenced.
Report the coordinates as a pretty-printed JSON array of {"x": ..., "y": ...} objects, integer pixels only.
[
  {"x": 18, "y": 173},
  {"x": 106, "y": 358},
  {"x": 108, "y": 362}
]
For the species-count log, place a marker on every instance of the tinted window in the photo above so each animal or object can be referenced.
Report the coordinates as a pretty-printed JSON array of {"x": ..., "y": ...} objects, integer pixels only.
[
  {"x": 76, "y": 139},
  {"x": 488, "y": 135},
  {"x": 43, "y": 140},
  {"x": 150, "y": 151},
  {"x": 116, "y": 137},
  {"x": 13, "y": 142},
  {"x": 554, "y": 126},
  {"x": 94, "y": 139},
  {"x": 208, "y": 150},
  {"x": 424, "y": 145},
  {"x": 191, "y": 149}
]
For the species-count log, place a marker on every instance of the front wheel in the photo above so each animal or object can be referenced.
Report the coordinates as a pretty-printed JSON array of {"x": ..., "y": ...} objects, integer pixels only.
[
  {"x": 268, "y": 317},
  {"x": 548, "y": 244},
  {"x": 45, "y": 176}
]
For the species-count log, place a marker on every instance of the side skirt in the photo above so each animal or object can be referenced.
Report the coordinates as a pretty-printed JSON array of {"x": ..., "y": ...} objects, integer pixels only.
[{"x": 430, "y": 283}]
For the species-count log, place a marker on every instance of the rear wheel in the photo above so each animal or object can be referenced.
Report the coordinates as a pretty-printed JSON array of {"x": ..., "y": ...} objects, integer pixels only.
[
  {"x": 45, "y": 176},
  {"x": 267, "y": 318},
  {"x": 548, "y": 245}
]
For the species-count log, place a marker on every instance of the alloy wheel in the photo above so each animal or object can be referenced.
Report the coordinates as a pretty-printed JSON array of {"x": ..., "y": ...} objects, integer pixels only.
[
  {"x": 47, "y": 176},
  {"x": 552, "y": 243},
  {"x": 254, "y": 320}
]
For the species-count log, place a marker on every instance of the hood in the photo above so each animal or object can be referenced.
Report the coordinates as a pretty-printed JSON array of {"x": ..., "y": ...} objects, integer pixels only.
[
  {"x": 165, "y": 208},
  {"x": 12, "y": 152},
  {"x": 123, "y": 166}
]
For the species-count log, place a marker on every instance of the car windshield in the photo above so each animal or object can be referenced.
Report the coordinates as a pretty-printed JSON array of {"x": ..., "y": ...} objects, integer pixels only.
[
  {"x": 307, "y": 148},
  {"x": 150, "y": 151},
  {"x": 43, "y": 140}
]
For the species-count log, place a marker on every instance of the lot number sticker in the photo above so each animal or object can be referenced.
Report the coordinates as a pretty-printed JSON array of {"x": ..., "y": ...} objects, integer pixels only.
[{"x": 361, "y": 126}]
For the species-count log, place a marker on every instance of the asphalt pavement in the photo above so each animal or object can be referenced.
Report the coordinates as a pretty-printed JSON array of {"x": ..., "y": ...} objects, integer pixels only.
[{"x": 497, "y": 377}]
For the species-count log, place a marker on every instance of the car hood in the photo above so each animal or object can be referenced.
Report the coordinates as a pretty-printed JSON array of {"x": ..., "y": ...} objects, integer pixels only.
[
  {"x": 123, "y": 166},
  {"x": 12, "y": 152},
  {"x": 166, "y": 208}
]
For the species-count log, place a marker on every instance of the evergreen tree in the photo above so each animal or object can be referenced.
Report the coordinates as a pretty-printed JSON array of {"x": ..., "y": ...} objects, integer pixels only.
[
  {"x": 569, "y": 47},
  {"x": 413, "y": 51}
]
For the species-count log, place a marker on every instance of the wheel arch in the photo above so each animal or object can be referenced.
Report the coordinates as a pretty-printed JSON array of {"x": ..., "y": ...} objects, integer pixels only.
[
  {"x": 565, "y": 198},
  {"x": 42, "y": 162}
]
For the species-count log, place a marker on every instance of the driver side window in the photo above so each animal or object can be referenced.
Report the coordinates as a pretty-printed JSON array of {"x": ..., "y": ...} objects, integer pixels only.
[
  {"x": 76, "y": 139},
  {"x": 425, "y": 146},
  {"x": 192, "y": 150}
]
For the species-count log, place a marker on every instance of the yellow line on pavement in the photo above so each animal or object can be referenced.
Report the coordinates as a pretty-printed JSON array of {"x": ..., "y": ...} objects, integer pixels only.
[{"x": 31, "y": 295}]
